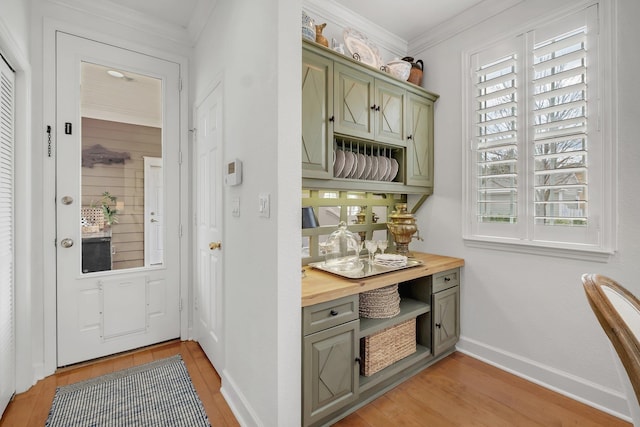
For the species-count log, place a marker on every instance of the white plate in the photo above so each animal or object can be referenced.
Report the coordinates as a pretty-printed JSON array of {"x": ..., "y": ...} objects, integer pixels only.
[
  {"x": 382, "y": 167},
  {"x": 374, "y": 168},
  {"x": 349, "y": 160},
  {"x": 367, "y": 169},
  {"x": 362, "y": 164},
  {"x": 339, "y": 163},
  {"x": 388, "y": 174},
  {"x": 394, "y": 169},
  {"x": 362, "y": 49}
]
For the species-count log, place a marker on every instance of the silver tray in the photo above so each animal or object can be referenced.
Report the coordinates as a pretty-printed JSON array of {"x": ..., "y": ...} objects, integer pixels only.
[{"x": 362, "y": 268}]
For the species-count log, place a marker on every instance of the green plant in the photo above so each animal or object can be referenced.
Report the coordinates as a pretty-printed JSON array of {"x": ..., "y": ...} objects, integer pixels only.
[{"x": 108, "y": 204}]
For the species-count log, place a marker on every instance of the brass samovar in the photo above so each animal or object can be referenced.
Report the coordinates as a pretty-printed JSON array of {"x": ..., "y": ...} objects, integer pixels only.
[{"x": 402, "y": 226}]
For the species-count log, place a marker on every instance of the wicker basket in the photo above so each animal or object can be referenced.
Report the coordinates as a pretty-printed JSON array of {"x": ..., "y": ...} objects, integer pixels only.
[
  {"x": 93, "y": 219},
  {"x": 381, "y": 303},
  {"x": 379, "y": 350}
]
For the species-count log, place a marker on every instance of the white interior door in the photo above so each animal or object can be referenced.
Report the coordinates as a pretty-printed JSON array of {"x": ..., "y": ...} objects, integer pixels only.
[
  {"x": 210, "y": 249},
  {"x": 7, "y": 313},
  {"x": 107, "y": 299},
  {"x": 153, "y": 211}
]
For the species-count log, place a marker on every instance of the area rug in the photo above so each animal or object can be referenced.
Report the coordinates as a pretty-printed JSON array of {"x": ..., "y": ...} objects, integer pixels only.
[{"x": 159, "y": 393}]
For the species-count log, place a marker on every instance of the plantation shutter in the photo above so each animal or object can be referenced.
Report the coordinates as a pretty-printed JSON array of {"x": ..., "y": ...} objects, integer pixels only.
[
  {"x": 496, "y": 137},
  {"x": 7, "y": 339},
  {"x": 560, "y": 140}
]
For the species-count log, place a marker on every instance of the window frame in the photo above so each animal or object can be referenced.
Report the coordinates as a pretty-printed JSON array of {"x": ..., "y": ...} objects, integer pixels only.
[{"x": 522, "y": 236}]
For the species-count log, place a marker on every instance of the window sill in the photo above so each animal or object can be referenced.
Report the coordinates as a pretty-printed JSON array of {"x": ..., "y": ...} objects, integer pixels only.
[{"x": 533, "y": 248}]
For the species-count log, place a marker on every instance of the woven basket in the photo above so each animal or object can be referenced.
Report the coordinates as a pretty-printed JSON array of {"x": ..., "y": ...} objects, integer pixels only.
[
  {"x": 379, "y": 350},
  {"x": 380, "y": 303},
  {"x": 94, "y": 218}
]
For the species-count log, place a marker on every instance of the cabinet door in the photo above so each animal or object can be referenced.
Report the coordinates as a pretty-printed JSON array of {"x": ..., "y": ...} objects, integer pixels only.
[
  {"x": 317, "y": 111},
  {"x": 354, "y": 96},
  {"x": 419, "y": 141},
  {"x": 446, "y": 319},
  {"x": 389, "y": 119},
  {"x": 330, "y": 371}
]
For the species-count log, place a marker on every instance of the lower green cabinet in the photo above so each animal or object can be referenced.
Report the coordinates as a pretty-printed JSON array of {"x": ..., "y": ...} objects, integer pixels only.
[
  {"x": 330, "y": 370},
  {"x": 446, "y": 311}
]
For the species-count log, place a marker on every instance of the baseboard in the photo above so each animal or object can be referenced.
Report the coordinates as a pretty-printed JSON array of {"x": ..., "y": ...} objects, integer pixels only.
[
  {"x": 243, "y": 412},
  {"x": 604, "y": 399}
]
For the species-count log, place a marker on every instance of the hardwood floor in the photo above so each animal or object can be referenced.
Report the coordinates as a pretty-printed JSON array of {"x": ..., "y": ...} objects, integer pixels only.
[
  {"x": 463, "y": 391},
  {"x": 457, "y": 391}
]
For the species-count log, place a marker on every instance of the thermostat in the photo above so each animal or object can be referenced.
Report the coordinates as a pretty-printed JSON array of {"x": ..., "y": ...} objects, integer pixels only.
[{"x": 233, "y": 172}]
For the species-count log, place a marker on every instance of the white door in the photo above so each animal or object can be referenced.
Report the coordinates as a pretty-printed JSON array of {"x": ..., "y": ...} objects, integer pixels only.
[
  {"x": 210, "y": 249},
  {"x": 114, "y": 106},
  {"x": 7, "y": 316},
  {"x": 153, "y": 211}
]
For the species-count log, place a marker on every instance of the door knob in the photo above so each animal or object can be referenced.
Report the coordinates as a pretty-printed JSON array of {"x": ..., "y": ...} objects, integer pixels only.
[
  {"x": 154, "y": 220},
  {"x": 66, "y": 243},
  {"x": 215, "y": 245}
]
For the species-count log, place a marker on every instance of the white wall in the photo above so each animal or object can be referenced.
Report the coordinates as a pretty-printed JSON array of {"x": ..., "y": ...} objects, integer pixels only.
[
  {"x": 254, "y": 48},
  {"x": 529, "y": 313},
  {"x": 15, "y": 18}
]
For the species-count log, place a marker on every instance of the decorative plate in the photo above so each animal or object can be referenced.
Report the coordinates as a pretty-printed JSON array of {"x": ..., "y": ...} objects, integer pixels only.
[{"x": 362, "y": 49}]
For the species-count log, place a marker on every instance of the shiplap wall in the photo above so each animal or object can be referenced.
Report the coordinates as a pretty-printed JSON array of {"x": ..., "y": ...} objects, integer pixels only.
[{"x": 124, "y": 181}]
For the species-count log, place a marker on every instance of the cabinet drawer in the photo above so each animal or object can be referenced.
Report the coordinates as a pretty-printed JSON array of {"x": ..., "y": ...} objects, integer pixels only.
[
  {"x": 327, "y": 314},
  {"x": 446, "y": 280}
]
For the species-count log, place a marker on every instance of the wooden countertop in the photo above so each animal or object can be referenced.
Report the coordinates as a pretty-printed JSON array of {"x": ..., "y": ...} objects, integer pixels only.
[{"x": 319, "y": 286}]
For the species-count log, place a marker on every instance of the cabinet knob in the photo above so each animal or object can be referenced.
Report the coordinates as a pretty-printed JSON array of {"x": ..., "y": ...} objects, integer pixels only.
[
  {"x": 373, "y": 107},
  {"x": 332, "y": 118},
  {"x": 358, "y": 360},
  {"x": 438, "y": 325},
  {"x": 377, "y": 108},
  {"x": 410, "y": 137},
  {"x": 333, "y": 313},
  {"x": 447, "y": 279}
]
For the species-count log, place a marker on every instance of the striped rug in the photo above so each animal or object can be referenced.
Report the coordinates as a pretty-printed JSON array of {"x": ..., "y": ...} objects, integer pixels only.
[{"x": 159, "y": 393}]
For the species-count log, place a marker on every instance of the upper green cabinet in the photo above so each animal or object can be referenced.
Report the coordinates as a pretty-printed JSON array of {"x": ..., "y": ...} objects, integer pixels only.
[
  {"x": 317, "y": 113},
  {"x": 367, "y": 107},
  {"x": 347, "y": 105}
]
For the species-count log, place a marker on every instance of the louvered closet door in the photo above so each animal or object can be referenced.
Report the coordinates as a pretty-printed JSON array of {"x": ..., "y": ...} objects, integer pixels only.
[{"x": 7, "y": 342}]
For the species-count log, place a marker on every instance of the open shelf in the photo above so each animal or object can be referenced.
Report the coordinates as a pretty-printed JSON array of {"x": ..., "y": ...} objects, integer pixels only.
[
  {"x": 422, "y": 352},
  {"x": 409, "y": 308}
]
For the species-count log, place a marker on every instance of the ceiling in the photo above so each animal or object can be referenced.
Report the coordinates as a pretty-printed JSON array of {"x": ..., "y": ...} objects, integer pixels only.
[{"x": 407, "y": 19}]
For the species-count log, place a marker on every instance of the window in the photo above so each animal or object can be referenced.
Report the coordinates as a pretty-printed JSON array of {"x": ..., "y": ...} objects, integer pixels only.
[{"x": 539, "y": 158}]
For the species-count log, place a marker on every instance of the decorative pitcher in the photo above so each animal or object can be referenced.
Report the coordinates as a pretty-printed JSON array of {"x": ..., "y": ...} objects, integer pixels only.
[{"x": 417, "y": 68}]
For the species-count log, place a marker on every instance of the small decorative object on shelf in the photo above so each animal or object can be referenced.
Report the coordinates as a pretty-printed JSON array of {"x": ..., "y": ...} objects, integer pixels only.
[
  {"x": 320, "y": 39},
  {"x": 308, "y": 27},
  {"x": 417, "y": 68},
  {"x": 402, "y": 226}
]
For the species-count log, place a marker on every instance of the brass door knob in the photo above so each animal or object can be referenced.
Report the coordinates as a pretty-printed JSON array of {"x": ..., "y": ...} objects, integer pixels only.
[{"x": 215, "y": 245}]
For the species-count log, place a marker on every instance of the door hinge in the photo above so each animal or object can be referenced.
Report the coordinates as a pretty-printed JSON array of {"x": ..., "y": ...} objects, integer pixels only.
[
  {"x": 180, "y": 85},
  {"x": 180, "y": 231},
  {"x": 180, "y": 157},
  {"x": 180, "y": 305}
]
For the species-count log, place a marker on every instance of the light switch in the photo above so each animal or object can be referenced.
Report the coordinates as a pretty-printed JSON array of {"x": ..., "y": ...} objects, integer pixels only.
[
  {"x": 235, "y": 207},
  {"x": 263, "y": 205}
]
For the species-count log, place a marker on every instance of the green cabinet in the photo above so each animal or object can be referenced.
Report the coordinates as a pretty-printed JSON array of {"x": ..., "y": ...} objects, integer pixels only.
[
  {"x": 419, "y": 141},
  {"x": 446, "y": 310},
  {"x": 368, "y": 107},
  {"x": 349, "y": 105},
  {"x": 330, "y": 369},
  {"x": 317, "y": 116}
]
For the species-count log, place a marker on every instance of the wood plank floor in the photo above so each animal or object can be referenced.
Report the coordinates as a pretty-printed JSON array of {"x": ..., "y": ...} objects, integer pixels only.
[{"x": 457, "y": 391}]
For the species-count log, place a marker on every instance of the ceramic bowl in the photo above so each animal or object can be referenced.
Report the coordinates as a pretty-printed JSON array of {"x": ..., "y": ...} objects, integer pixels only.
[{"x": 399, "y": 69}]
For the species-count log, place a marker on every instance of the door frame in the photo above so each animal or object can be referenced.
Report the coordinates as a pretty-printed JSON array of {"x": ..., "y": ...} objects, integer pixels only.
[{"x": 49, "y": 305}]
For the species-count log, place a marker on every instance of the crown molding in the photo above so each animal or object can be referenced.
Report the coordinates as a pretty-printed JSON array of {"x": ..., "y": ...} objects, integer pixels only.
[
  {"x": 346, "y": 18},
  {"x": 129, "y": 18},
  {"x": 460, "y": 23}
]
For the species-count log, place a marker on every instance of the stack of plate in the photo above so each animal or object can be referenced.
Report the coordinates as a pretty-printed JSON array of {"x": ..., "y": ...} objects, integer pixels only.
[
  {"x": 354, "y": 165},
  {"x": 390, "y": 260}
]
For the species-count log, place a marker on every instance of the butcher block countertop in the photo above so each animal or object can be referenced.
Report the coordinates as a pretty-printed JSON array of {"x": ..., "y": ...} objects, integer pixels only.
[{"x": 319, "y": 286}]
